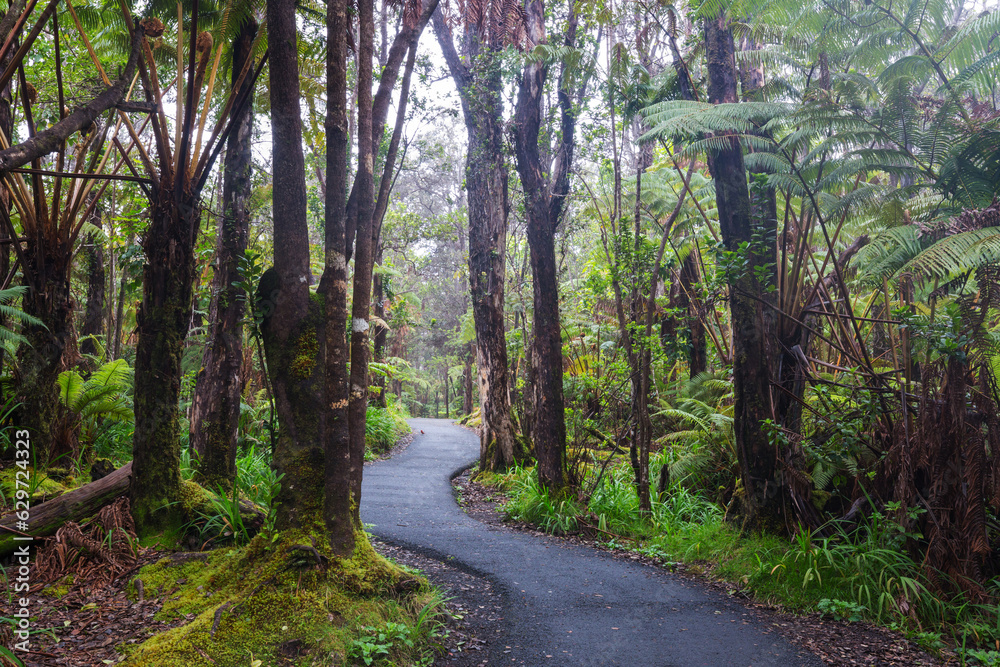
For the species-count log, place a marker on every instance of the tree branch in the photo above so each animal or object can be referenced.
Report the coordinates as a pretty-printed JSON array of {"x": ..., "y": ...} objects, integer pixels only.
[{"x": 49, "y": 140}]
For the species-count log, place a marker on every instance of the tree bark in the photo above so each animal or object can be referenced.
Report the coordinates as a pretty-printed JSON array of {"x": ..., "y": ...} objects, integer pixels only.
[
  {"x": 467, "y": 380},
  {"x": 162, "y": 325},
  {"x": 363, "y": 253},
  {"x": 697, "y": 345},
  {"x": 381, "y": 333},
  {"x": 215, "y": 407},
  {"x": 751, "y": 321},
  {"x": 544, "y": 202},
  {"x": 93, "y": 318},
  {"x": 338, "y": 501},
  {"x": 51, "y": 348},
  {"x": 479, "y": 84},
  {"x": 293, "y": 327}
]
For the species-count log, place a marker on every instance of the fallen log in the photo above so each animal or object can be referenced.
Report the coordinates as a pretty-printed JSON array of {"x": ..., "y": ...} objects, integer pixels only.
[{"x": 75, "y": 505}]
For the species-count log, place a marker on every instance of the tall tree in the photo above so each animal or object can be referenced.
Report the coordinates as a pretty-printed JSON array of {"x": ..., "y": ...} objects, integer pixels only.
[
  {"x": 478, "y": 79},
  {"x": 215, "y": 409},
  {"x": 51, "y": 224},
  {"x": 545, "y": 191},
  {"x": 293, "y": 328},
  {"x": 752, "y": 320},
  {"x": 168, "y": 275}
]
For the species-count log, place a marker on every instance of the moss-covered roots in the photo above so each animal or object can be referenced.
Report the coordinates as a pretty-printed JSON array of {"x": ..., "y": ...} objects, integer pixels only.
[{"x": 285, "y": 602}]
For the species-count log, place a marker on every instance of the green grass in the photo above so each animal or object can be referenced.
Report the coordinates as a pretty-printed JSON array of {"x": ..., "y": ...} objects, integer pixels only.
[
  {"x": 384, "y": 427},
  {"x": 865, "y": 575}
]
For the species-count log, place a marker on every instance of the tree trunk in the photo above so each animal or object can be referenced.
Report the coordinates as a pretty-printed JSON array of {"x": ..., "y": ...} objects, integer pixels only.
[
  {"x": 751, "y": 321},
  {"x": 162, "y": 325},
  {"x": 120, "y": 310},
  {"x": 447, "y": 391},
  {"x": 51, "y": 348},
  {"x": 381, "y": 333},
  {"x": 215, "y": 407},
  {"x": 293, "y": 328},
  {"x": 363, "y": 254},
  {"x": 479, "y": 84},
  {"x": 93, "y": 318},
  {"x": 337, "y": 444},
  {"x": 697, "y": 345},
  {"x": 467, "y": 381},
  {"x": 544, "y": 199},
  {"x": 74, "y": 505}
]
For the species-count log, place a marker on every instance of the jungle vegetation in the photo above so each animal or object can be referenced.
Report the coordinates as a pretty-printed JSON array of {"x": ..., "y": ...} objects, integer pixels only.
[{"x": 739, "y": 254}]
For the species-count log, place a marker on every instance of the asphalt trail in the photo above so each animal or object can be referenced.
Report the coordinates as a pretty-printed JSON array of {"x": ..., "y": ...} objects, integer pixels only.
[{"x": 565, "y": 604}]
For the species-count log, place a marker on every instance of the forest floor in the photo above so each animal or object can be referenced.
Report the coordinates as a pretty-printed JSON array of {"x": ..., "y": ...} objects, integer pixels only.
[
  {"x": 837, "y": 643},
  {"x": 85, "y": 626}
]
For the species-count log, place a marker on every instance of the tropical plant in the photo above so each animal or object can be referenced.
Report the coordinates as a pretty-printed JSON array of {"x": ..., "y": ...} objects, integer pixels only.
[{"x": 94, "y": 401}]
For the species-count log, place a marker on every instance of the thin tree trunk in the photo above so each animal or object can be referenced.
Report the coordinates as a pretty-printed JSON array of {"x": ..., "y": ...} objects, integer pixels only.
[
  {"x": 363, "y": 253},
  {"x": 339, "y": 517},
  {"x": 93, "y": 318},
  {"x": 120, "y": 311},
  {"x": 697, "y": 345},
  {"x": 215, "y": 407},
  {"x": 752, "y": 325},
  {"x": 447, "y": 391},
  {"x": 381, "y": 333},
  {"x": 479, "y": 84},
  {"x": 467, "y": 381}
]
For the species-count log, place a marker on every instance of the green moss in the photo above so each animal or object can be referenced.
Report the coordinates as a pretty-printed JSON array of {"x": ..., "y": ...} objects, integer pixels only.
[
  {"x": 273, "y": 596},
  {"x": 59, "y": 588},
  {"x": 306, "y": 351},
  {"x": 40, "y": 484},
  {"x": 194, "y": 498}
]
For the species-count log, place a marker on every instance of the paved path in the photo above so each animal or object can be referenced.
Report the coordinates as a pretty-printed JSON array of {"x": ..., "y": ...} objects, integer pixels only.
[{"x": 564, "y": 604}]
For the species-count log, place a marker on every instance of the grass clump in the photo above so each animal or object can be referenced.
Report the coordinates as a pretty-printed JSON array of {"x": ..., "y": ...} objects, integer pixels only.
[
  {"x": 287, "y": 602},
  {"x": 383, "y": 428}
]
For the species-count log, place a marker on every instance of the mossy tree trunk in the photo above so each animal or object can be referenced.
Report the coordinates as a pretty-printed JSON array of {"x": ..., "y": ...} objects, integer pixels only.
[
  {"x": 293, "y": 327},
  {"x": 364, "y": 184},
  {"x": 215, "y": 408},
  {"x": 162, "y": 325},
  {"x": 337, "y": 445},
  {"x": 479, "y": 83},
  {"x": 752, "y": 321},
  {"x": 52, "y": 347}
]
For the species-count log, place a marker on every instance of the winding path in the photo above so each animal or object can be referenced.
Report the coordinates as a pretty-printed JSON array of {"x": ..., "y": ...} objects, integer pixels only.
[{"x": 564, "y": 604}]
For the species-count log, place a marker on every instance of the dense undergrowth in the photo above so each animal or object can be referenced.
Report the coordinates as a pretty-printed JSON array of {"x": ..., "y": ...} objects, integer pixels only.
[{"x": 852, "y": 572}]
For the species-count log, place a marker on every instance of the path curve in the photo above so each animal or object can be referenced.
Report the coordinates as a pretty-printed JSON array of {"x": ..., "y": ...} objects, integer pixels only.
[{"x": 564, "y": 604}]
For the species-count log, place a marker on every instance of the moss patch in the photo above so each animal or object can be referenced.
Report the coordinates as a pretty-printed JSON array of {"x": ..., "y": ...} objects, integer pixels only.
[
  {"x": 276, "y": 602},
  {"x": 306, "y": 351},
  {"x": 42, "y": 486}
]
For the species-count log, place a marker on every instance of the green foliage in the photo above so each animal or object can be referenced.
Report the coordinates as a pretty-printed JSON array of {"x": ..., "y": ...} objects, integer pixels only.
[
  {"x": 102, "y": 397},
  {"x": 10, "y": 339},
  {"x": 384, "y": 427}
]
